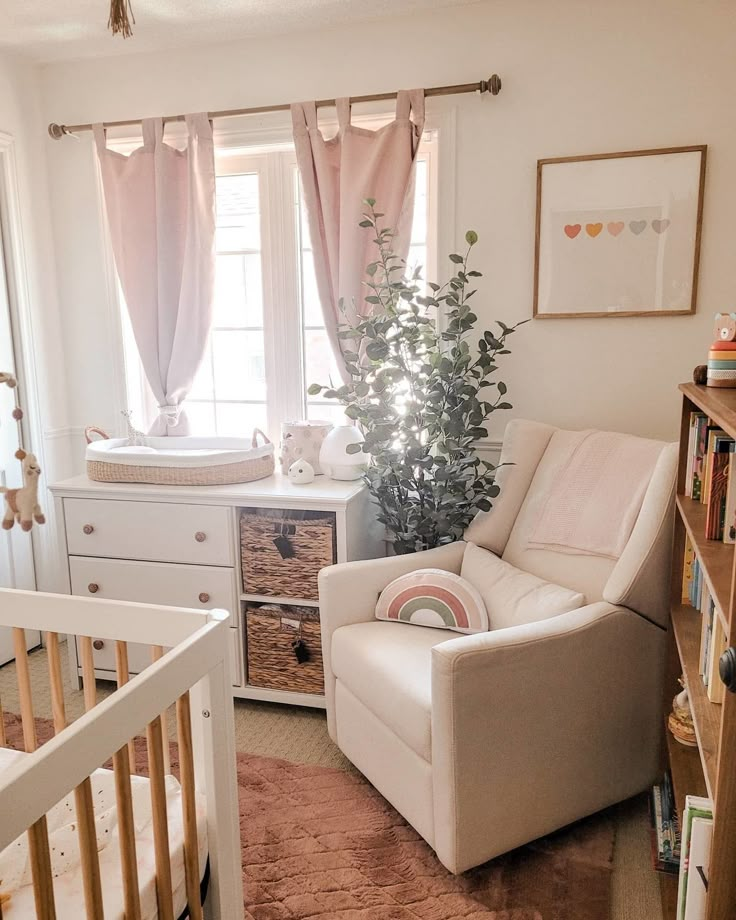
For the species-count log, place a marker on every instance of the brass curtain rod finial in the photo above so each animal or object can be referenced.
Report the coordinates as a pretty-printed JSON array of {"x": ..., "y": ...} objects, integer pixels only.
[{"x": 492, "y": 85}]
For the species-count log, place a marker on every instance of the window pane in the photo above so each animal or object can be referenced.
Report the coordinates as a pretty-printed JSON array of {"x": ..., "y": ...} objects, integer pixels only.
[
  {"x": 419, "y": 219},
  {"x": 237, "y": 420},
  {"x": 311, "y": 307},
  {"x": 201, "y": 419},
  {"x": 238, "y": 291},
  {"x": 238, "y": 213},
  {"x": 320, "y": 365},
  {"x": 239, "y": 365},
  {"x": 328, "y": 412},
  {"x": 204, "y": 385}
]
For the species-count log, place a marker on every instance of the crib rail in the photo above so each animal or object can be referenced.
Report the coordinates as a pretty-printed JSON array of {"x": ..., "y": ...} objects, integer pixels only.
[{"x": 193, "y": 676}]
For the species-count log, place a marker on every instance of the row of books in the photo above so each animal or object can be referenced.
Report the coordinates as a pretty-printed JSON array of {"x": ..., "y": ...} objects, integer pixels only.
[
  {"x": 695, "y": 847},
  {"x": 710, "y": 476},
  {"x": 713, "y": 642},
  {"x": 665, "y": 827}
]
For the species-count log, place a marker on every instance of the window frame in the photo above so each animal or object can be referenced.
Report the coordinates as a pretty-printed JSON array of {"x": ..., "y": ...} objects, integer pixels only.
[{"x": 269, "y": 151}]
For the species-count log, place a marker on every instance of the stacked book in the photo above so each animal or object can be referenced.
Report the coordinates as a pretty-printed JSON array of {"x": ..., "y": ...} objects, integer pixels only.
[
  {"x": 710, "y": 476},
  {"x": 665, "y": 828},
  {"x": 713, "y": 641},
  {"x": 697, "y": 831}
]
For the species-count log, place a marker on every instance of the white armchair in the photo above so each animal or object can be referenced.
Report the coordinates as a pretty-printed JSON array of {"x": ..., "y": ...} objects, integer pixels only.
[{"x": 485, "y": 742}]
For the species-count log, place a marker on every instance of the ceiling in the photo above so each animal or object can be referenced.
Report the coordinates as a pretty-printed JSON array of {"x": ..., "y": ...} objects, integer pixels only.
[{"x": 46, "y": 30}]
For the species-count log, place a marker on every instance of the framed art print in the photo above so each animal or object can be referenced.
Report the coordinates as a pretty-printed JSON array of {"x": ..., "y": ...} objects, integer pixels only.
[{"x": 618, "y": 234}]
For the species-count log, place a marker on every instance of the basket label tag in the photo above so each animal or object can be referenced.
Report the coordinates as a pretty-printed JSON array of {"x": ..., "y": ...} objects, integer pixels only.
[{"x": 288, "y": 625}]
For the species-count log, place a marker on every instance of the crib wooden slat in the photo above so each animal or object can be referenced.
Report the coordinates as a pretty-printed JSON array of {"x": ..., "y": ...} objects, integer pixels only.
[
  {"x": 157, "y": 652},
  {"x": 154, "y": 738},
  {"x": 189, "y": 806},
  {"x": 56, "y": 681},
  {"x": 23, "y": 675},
  {"x": 128, "y": 861},
  {"x": 3, "y": 739},
  {"x": 43, "y": 882},
  {"x": 89, "y": 856},
  {"x": 88, "y": 672},
  {"x": 122, "y": 671}
]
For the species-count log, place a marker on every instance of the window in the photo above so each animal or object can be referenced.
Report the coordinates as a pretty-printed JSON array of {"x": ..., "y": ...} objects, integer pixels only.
[{"x": 268, "y": 341}]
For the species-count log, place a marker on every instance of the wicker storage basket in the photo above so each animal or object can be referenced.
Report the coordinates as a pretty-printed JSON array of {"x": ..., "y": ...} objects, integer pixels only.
[
  {"x": 282, "y": 551},
  {"x": 271, "y": 631},
  {"x": 180, "y": 461}
]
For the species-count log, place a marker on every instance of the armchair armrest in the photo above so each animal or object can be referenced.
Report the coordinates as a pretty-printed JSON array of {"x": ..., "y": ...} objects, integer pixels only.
[
  {"x": 569, "y": 707},
  {"x": 349, "y": 591}
]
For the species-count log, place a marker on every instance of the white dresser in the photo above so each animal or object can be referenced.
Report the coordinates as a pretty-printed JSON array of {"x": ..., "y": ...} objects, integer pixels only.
[{"x": 180, "y": 545}]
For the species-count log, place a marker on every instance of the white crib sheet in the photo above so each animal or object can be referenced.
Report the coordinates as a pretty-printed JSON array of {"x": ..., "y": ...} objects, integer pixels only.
[{"x": 15, "y": 873}]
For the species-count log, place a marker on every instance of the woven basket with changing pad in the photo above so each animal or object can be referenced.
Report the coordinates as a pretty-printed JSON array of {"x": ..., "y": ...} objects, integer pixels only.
[{"x": 179, "y": 461}]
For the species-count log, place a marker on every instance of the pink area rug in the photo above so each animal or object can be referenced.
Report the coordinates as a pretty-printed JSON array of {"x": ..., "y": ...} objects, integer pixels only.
[{"x": 319, "y": 843}]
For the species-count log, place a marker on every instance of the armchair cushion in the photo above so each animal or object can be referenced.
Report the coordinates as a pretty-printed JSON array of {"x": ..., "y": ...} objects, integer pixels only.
[
  {"x": 388, "y": 667},
  {"x": 513, "y": 597},
  {"x": 435, "y": 598}
]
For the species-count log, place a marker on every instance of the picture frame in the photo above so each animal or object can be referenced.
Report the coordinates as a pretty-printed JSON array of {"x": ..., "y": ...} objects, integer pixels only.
[{"x": 618, "y": 234}]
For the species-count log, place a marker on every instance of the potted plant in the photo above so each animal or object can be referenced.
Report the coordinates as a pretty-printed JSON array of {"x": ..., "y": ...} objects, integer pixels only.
[{"x": 421, "y": 396}]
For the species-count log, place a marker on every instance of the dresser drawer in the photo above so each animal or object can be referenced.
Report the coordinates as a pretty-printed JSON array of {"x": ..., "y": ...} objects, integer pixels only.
[
  {"x": 197, "y": 586},
  {"x": 157, "y": 531}
]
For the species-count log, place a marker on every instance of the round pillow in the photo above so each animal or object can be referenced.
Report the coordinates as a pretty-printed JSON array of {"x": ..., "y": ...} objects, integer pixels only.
[{"x": 436, "y": 598}]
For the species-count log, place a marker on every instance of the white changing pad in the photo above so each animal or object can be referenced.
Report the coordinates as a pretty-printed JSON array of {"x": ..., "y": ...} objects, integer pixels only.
[{"x": 15, "y": 871}]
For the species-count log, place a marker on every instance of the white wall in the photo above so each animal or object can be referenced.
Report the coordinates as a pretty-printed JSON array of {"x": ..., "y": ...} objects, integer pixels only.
[
  {"x": 44, "y": 399},
  {"x": 579, "y": 77}
]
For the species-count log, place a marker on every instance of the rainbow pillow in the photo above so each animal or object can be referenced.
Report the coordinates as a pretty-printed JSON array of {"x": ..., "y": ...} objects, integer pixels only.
[{"x": 434, "y": 597}]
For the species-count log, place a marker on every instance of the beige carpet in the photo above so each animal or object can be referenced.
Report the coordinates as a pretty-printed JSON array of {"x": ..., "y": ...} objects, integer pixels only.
[{"x": 300, "y": 736}]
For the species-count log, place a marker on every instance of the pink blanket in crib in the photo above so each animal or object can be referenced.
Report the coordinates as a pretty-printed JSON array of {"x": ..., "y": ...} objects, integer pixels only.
[{"x": 596, "y": 497}]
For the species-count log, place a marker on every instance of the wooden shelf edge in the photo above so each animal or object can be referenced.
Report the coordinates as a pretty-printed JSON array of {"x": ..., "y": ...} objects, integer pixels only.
[
  {"x": 706, "y": 715},
  {"x": 718, "y": 403},
  {"x": 668, "y": 885}
]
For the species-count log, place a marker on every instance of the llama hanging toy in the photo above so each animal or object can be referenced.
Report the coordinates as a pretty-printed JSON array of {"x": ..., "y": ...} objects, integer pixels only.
[{"x": 21, "y": 504}]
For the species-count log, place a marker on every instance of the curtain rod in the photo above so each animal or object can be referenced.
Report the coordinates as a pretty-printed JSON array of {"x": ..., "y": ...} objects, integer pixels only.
[{"x": 492, "y": 86}]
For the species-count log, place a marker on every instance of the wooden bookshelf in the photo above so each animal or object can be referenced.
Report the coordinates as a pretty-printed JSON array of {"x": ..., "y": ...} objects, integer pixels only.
[{"x": 709, "y": 769}]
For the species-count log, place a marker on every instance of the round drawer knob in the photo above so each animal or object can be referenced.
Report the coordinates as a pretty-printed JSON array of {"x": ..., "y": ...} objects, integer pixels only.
[
  {"x": 98, "y": 644},
  {"x": 204, "y": 597},
  {"x": 88, "y": 529},
  {"x": 93, "y": 588},
  {"x": 727, "y": 668},
  {"x": 200, "y": 536}
]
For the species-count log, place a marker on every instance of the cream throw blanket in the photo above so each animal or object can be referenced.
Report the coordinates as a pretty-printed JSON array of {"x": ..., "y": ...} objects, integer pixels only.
[{"x": 597, "y": 495}]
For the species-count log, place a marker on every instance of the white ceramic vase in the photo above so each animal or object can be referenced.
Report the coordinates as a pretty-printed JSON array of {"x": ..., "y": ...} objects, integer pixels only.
[{"x": 334, "y": 459}]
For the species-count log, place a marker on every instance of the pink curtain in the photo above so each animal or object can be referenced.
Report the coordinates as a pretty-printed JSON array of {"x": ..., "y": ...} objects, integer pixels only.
[
  {"x": 337, "y": 175},
  {"x": 161, "y": 210}
]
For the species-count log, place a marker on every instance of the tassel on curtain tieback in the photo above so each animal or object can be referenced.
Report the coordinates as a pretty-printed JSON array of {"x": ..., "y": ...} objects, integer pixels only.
[{"x": 121, "y": 16}]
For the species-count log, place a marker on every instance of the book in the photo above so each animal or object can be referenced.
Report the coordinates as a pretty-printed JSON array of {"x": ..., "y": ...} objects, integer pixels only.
[
  {"x": 665, "y": 831},
  {"x": 687, "y": 569},
  {"x": 695, "y": 807},
  {"x": 701, "y": 431},
  {"x": 701, "y": 834},
  {"x": 717, "y": 488},
  {"x": 729, "y": 514},
  {"x": 718, "y": 645},
  {"x": 696, "y": 418}
]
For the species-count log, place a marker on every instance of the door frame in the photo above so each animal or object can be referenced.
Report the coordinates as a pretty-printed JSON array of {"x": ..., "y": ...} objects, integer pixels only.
[{"x": 13, "y": 251}]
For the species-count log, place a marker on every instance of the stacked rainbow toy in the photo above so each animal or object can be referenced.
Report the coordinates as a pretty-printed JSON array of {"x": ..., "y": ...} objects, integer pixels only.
[{"x": 722, "y": 353}]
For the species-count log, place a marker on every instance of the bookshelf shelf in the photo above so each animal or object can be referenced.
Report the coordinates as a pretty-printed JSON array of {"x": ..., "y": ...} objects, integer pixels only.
[
  {"x": 706, "y": 715},
  {"x": 711, "y": 769},
  {"x": 715, "y": 557}
]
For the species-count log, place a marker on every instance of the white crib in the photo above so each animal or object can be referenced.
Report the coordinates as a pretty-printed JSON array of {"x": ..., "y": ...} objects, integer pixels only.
[{"x": 189, "y": 669}]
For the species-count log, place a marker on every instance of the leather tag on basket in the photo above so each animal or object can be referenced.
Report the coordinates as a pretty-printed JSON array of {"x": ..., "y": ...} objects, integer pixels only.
[{"x": 301, "y": 651}]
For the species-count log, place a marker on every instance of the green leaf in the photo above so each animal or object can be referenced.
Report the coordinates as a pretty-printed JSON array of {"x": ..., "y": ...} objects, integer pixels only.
[
  {"x": 471, "y": 237},
  {"x": 457, "y": 259},
  {"x": 314, "y": 389},
  {"x": 353, "y": 448}
]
